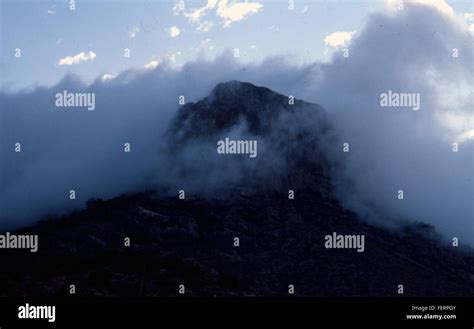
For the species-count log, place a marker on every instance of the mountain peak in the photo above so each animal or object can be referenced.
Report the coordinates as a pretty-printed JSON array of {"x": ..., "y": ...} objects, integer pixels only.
[
  {"x": 235, "y": 102},
  {"x": 237, "y": 91},
  {"x": 234, "y": 84},
  {"x": 237, "y": 87}
]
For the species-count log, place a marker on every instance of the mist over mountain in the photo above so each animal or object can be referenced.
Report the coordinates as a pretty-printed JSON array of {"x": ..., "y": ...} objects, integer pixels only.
[
  {"x": 390, "y": 149},
  {"x": 287, "y": 137},
  {"x": 280, "y": 206}
]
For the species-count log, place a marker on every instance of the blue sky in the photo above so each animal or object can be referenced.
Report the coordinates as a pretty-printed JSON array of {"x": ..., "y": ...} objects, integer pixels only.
[{"x": 48, "y": 31}]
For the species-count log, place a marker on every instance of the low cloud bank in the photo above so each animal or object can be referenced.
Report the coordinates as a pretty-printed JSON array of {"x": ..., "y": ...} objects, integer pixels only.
[{"x": 390, "y": 148}]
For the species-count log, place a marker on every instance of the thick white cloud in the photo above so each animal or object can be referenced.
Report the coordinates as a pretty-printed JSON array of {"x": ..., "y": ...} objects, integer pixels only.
[
  {"x": 227, "y": 12},
  {"x": 79, "y": 58},
  {"x": 236, "y": 11},
  {"x": 440, "y": 5},
  {"x": 152, "y": 64},
  {"x": 338, "y": 39},
  {"x": 467, "y": 135}
]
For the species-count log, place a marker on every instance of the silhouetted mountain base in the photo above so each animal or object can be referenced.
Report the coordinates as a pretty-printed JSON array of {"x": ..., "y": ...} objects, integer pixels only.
[{"x": 191, "y": 242}]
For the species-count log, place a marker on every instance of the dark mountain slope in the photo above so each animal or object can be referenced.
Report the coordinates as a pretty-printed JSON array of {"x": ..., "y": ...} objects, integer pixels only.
[{"x": 191, "y": 242}]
